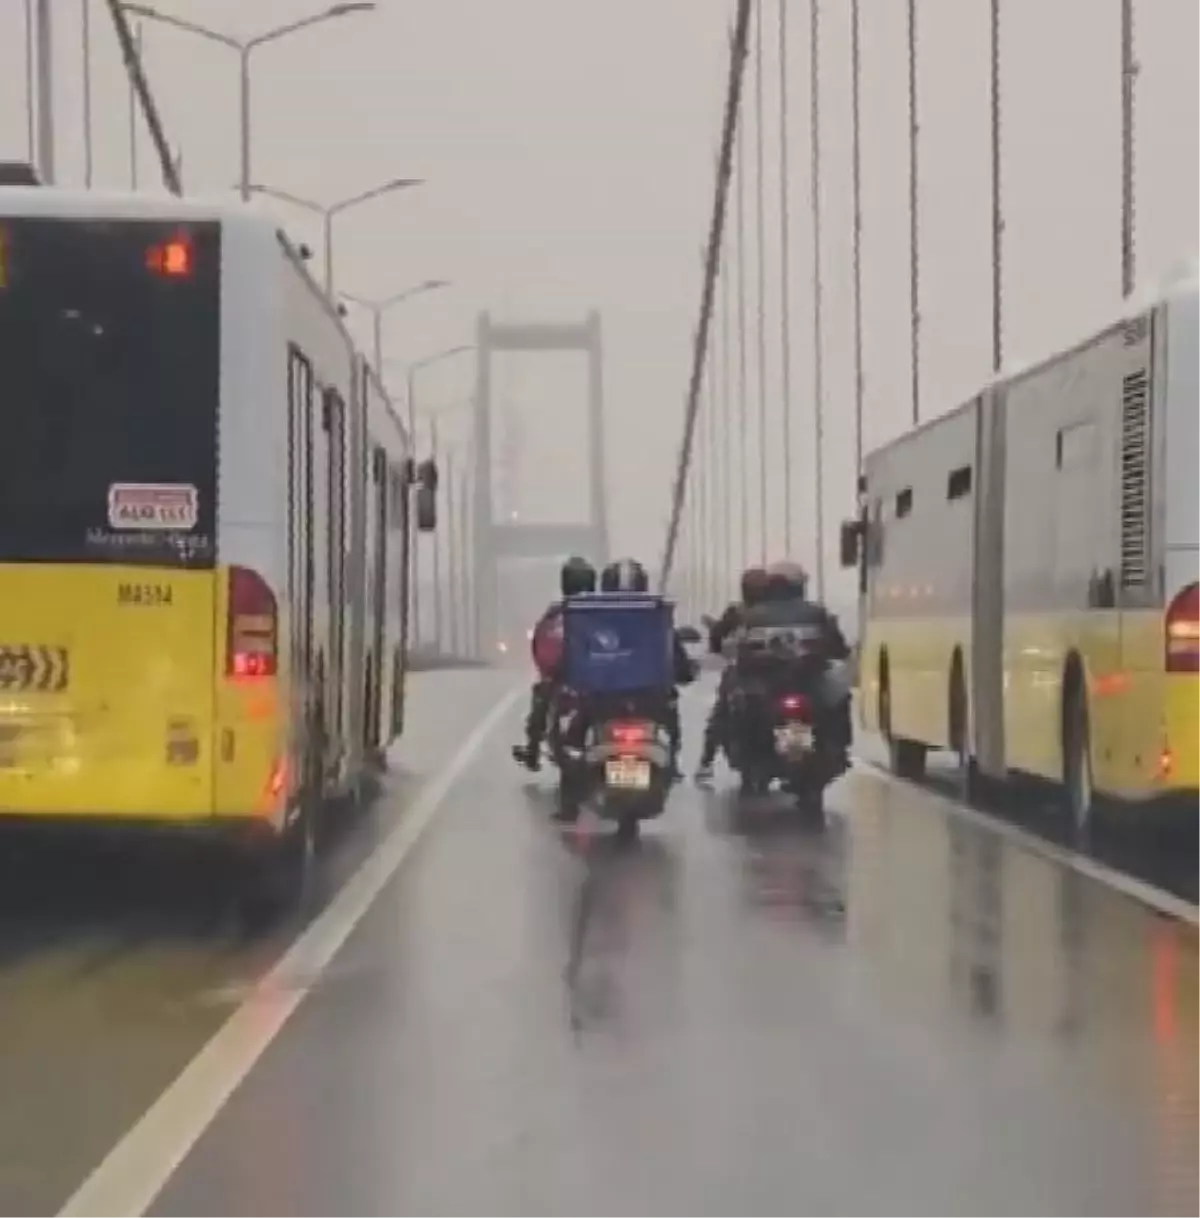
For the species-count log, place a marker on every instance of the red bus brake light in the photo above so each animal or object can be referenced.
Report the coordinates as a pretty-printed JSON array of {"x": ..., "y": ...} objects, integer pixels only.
[
  {"x": 1183, "y": 631},
  {"x": 171, "y": 258},
  {"x": 252, "y": 626}
]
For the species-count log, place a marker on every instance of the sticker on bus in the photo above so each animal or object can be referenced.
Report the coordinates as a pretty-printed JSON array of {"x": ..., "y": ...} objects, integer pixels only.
[
  {"x": 152, "y": 505},
  {"x": 26, "y": 667}
]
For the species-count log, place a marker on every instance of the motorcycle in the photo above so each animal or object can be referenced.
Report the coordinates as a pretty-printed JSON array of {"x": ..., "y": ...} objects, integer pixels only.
[
  {"x": 774, "y": 737},
  {"x": 622, "y": 769}
]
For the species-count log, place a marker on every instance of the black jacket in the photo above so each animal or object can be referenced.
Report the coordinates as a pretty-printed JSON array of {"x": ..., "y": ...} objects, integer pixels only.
[
  {"x": 685, "y": 670},
  {"x": 799, "y": 612},
  {"x": 724, "y": 626}
]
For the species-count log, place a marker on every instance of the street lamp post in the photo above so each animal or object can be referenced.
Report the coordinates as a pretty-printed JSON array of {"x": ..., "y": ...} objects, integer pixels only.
[
  {"x": 85, "y": 33},
  {"x": 416, "y": 366},
  {"x": 471, "y": 641},
  {"x": 327, "y": 212},
  {"x": 244, "y": 48},
  {"x": 452, "y": 588},
  {"x": 45, "y": 93},
  {"x": 436, "y": 358},
  {"x": 445, "y": 481},
  {"x": 377, "y": 308}
]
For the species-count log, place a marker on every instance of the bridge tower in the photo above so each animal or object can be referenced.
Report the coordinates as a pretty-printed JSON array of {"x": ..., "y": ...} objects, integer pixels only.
[{"x": 499, "y": 540}]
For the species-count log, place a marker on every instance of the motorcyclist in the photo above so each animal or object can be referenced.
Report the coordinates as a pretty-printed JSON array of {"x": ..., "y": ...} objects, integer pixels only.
[
  {"x": 754, "y": 584},
  {"x": 576, "y": 577},
  {"x": 628, "y": 575},
  {"x": 786, "y": 603}
]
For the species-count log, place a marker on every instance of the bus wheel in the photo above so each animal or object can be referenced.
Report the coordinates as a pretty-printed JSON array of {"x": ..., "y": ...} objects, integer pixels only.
[
  {"x": 906, "y": 758},
  {"x": 278, "y": 873},
  {"x": 966, "y": 775},
  {"x": 1078, "y": 791}
]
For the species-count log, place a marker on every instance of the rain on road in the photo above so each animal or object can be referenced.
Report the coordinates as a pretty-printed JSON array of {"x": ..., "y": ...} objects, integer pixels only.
[{"x": 902, "y": 1013}]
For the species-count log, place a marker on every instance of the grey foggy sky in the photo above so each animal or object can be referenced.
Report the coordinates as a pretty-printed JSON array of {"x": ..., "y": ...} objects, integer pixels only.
[{"x": 569, "y": 148}]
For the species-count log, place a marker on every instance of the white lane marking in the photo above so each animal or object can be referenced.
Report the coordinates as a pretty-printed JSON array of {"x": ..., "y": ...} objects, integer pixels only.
[
  {"x": 134, "y": 1172},
  {"x": 1138, "y": 890}
]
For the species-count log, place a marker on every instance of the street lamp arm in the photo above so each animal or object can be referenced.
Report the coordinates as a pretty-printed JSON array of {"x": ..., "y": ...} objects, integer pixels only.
[
  {"x": 416, "y": 367},
  {"x": 308, "y": 204},
  {"x": 428, "y": 286},
  {"x": 362, "y": 301},
  {"x": 281, "y": 31},
  {"x": 182, "y": 23},
  {"x": 373, "y": 193},
  {"x": 438, "y": 356}
]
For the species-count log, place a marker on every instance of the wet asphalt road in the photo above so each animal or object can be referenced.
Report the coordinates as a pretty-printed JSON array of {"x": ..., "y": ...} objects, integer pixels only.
[
  {"x": 901, "y": 1013},
  {"x": 118, "y": 963}
]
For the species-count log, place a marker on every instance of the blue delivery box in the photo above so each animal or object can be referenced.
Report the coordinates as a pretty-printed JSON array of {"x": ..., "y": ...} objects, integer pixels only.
[{"x": 615, "y": 642}]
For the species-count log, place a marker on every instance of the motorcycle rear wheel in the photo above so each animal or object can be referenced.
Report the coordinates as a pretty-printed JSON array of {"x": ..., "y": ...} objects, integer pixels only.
[{"x": 810, "y": 805}]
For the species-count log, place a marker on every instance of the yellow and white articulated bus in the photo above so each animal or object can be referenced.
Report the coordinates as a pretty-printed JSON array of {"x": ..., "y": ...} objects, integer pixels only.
[
  {"x": 1028, "y": 570},
  {"x": 204, "y": 528}
]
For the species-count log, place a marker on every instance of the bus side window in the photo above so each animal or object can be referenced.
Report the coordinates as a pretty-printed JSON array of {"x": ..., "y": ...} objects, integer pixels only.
[
  {"x": 958, "y": 484},
  {"x": 904, "y": 502}
]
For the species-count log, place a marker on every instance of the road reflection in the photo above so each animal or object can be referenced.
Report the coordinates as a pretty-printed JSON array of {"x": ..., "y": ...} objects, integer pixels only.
[
  {"x": 626, "y": 890},
  {"x": 976, "y": 919}
]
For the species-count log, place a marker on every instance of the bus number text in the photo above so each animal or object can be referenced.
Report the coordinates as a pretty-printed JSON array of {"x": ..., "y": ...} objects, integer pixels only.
[{"x": 144, "y": 595}]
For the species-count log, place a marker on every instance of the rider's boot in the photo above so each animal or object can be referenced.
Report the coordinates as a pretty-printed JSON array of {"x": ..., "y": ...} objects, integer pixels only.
[
  {"x": 529, "y": 755},
  {"x": 704, "y": 770},
  {"x": 674, "y": 773},
  {"x": 708, "y": 753}
]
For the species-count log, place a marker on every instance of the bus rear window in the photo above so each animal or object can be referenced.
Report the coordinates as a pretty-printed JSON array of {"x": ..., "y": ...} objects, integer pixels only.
[{"x": 109, "y": 368}]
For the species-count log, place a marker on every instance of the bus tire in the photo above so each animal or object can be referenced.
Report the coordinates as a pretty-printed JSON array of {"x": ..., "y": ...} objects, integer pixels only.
[
  {"x": 906, "y": 758},
  {"x": 966, "y": 775},
  {"x": 278, "y": 874},
  {"x": 1078, "y": 793}
]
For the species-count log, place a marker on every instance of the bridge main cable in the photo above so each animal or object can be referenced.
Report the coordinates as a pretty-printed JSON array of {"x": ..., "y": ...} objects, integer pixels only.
[{"x": 732, "y": 112}]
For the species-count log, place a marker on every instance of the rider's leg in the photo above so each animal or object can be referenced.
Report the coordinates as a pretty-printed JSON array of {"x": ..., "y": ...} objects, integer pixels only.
[
  {"x": 535, "y": 725},
  {"x": 674, "y": 729},
  {"x": 714, "y": 729},
  {"x": 833, "y": 697}
]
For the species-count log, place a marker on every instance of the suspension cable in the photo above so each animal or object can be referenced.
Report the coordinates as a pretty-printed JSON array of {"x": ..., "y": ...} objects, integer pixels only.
[{"x": 733, "y": 98}]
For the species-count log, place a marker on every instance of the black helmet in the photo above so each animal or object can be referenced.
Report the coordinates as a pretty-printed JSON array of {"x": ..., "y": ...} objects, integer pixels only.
[
  {"x": 754, "y": 585},
  {"x": 577, "y": 576},
  {"x": 624, "y": 575}
]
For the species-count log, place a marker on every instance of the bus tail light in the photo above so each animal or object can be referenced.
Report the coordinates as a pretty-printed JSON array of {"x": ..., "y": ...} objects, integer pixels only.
[
  {"x": 252, "y": 627},
  {"x": 1183, "y": 631}
]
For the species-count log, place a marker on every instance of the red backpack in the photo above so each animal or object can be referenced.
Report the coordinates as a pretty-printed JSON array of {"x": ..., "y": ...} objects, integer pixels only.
[{"x": 547, "y": 643}]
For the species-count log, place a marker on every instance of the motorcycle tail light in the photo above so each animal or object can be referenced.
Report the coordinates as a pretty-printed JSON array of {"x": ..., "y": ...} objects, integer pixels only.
[
  {"x": 630, "y": 733},
  {"x": 795, "y": 706}
]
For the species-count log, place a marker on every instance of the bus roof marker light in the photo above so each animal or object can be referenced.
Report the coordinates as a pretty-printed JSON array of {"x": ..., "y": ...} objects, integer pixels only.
[{"x": 172, "y": 258}]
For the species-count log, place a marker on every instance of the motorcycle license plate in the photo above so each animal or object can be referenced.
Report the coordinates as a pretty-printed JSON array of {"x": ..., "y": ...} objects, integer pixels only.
[
  {"x": 794, "y": 738},
  {"x": 627, "y": 773}
]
